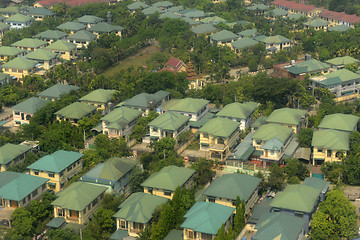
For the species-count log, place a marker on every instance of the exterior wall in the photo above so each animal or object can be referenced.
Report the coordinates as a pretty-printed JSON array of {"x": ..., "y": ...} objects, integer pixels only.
[
  {"x": 21, "y": 118},
  {"x": 25, "y": 201},
  {"x": 328, "y": 157},
  {"x": 133, "y": 228}
]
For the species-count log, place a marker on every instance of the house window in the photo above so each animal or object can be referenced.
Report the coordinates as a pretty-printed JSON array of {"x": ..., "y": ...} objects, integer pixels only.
[
  {"x": 328, "y": 153},
  {"x": 167, "y": 193}
]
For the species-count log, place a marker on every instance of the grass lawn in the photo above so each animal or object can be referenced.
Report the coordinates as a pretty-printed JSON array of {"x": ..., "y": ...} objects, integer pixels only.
[{"x": 137, "y": 60}]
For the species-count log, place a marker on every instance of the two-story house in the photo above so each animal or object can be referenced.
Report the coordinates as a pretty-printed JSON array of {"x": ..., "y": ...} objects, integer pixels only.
[
  {"x": 11, "y": 154},
  {"x": 75, "y": 112},
  {"x": 288, "y": 117},
  {"x": 56, "y": 91},
  {"x": 195, "y": 108},
  {"x": 99, "y": 98},
  {"x": 23, "y": 111}
]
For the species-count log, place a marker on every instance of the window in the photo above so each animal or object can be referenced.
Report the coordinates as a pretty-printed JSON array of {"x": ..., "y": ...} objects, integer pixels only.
[
  {"x": 328, "y": 153},
  {"x": 167, "y": 193},
  {"x": 51, "y": 175}
]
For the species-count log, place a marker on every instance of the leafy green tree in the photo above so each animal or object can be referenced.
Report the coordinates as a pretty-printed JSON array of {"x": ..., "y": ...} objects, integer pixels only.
[{"x": 305, "y": 137}]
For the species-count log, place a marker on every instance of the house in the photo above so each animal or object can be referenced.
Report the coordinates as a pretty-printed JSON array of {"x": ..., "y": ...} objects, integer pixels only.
[
  {"x": 82, "y": 38},
  {"x": 59, "y": 167},
  {"x": 57, "y": 91},
  {"x": 114, "y": 174},
  {"x": 223, "y": 38},
  {"x": 51, "y": 36},
  {"x": 30, "y": 44},
  {"x": 44, "y": 57},
  {"x": 40, "y": 13},
  {"x": 151, "y": 10},
  {"x": 193, "y": 107},
  {"x": 341, "y": 82},
  {"x": 206, "y": 29},
  {"x": 136, "y": 212},
  {"x": 340, "y": 62},
  {"x": 289, "y": 117},
  {"x": 19, "y": 67},
  {"x": 71, "y": 27},
  {"x": 89, "y": 20},
  {"x": 75, "y": 112},
  {"x": 169, "y": 124},
  {"x": 7, "y": 52},
  {"x": 11, "y": 154},
  {"x": 65, "y": 49},
  {"x": 218, "y": 136},
  {"x": 133, "y": 7},
  {"x": 165, "y": 182},
  {"x": 19, "y": 189},
  {"x": 4, "y": 28},
  {"x": 120, "y": 122},
  {"x": 225, "y": 189},
  {"x": 78, "y": 202},
  {"x": 243, "y": 43},
  {"x": 19, "y": 21},
  {"x": 271, "y": 140},
  {"x": 329, "y": 145},
  {"x": 239, "y": 112},
  {"x": 23, "y": 111},
  {"x": 99, "y": 98},
  {"x": 104, "y": 27},
  {"x": 4, "y": 78},
  {"x": 176, "y": 65},
  {"x": 204, "y": 220},
  {"x": 339, "y": 121},
  {"x": 317, "y": 24},
  {"x": 147, "y": 102},
  {"x": 274, "y": 43}
]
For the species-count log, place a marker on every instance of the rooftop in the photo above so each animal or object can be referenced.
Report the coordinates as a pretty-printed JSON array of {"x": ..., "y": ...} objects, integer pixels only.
[
  {"x": 220, "y": 127},
  {"x": 30, "y": 105}
]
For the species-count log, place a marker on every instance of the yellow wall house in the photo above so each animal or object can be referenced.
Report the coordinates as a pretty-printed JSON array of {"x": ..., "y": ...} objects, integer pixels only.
[
  {"x": 58, "y": 167},
  {"x": 165, "y": 182},
  {"x": 65, "y": 49},
  {"x": 20, "y": 67},
  {"x": 11, "y": 154},
  {"x": 289, "y": 117},
  {"x": 99, "y": 98},
  {"x": 218, "y": 136},
  {"x": 23, "y": 111},
  {"x": 78, "y": 202},
  {"x": 75, "y": 112}
]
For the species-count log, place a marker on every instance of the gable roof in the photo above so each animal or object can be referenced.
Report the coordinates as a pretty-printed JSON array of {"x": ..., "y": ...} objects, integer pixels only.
[
  {"x": 19, "y": 18},
  {"x": 99, "y": 95},
  {"x": 83, "y": 35},
  {"x": 230, "y": 186},
  {"x": 29, "y": 43},
  {"x": 58, "y": 90},
  {"x": 41, "y": 55},
  {"x": 20, "y": 63},
  {"x": 89, "y": 19},
  {"x": 271, "y": 130},
  {"x": 30, "y": 105},
  {"x": 331, "y": 139},
  {"x": 78, "y": 196},
  {"x": 338, "y": 61},
  {"x": 207, "y": 217},
  {"x": 171, "y": 121},
  {"x": 338, "y": 77},
  {"x": 71, "y": 26},
  {"x": 121, "y": 116},
  {"x": 57, "y": 161},
  {"x": 192, "y": 105},
  {"x": 169, "y": 178},
  {"x": 289, "y": 116},
  {"x": 238, "y": 110},
  {"x": 62, "y": 45},
  {"x": 220, "y": 127},
  {"x": 104, "y": 27},
  {"x": 339, "y": 121},
  {"x": 224, "y": 35},
  {"x": 76, "y": 110},
  {"x": 51, "y": 34},
  {"x": 204, "y": 28},
  {"x": 307, "y": 66},
  {"x": 137, "y": 5},
  {"x": 10, "y": 151}
]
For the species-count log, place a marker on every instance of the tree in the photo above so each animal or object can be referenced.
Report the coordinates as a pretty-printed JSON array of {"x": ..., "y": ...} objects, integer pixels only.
[{"x": 305, "y": 137}]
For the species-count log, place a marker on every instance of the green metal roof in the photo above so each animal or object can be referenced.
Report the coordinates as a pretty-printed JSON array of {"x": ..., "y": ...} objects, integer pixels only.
[
  {"x": 83, "y": 35},
  {"x": 145, "y": 100},
  {"x": 271, "y": 130},
  {"x": 338, "y": 61},
  {"x": 331, "y": 139},
  {"x": 51, "y": 34},
  {"x": 89, "y": 19},
  {"x": 289, "y": 116},
  {"x": 244, "y": 43},
  {"x": 71, "y": 26},
  {"x": 99, "y": 96},
  {"x": 62, "y": 45},
  {"x": 169, "y": 178},
  {"x": 19, "y": 18},
  {"x": 191, "y": 105},
  {"x": 308, "y": 66},
  {"x": 78, "y": 196},
  {"x": 224, "y": 35},
  {"x": 57, "y": 161},
  {"x": 170, "y": 15},
  {"x": 169, "y": 121},
  {"x": 163, "y": 4},
  {"x": 220, "y": 127},
  {"x": 38, "y": 11},
  {"x": 119, "y": 234},
  {"x": 297, "y": 197},
  {"x": 16, "y": 186},
  {"x": 41, "y": 55},
  {"x": 137, "y": 5},
  {"x": 175, "y": 235},
  {"x": 317, "y": 183},
  {"x": 275, "y": 39},
  {"x": 257, "y": 7},
  {"x": 10, "y": 151},
  {"x": 317, "y": 23},
  {"x": 58, "y": 90},
  {"x": 29, "y": 43},
  {"x": 207, "y": 217},
  {"x": 4, "y": 26},
  {"x": 56, "y": 222},
  {"x": 248, "y": 33},
  {"x": 121, "y": 116},
  {"x": 204, "y": 28},
  {"x": 229, "y": 186},
  {"x": 238, "y": 110},
  {"x": 338, "y": 28},
  {"x": 338, "y": 77},
  {"x": 30, "y": 105},
  {"x": 339, "y": 121},
  {"x": 281, "y": 226},
  {"x": 112, "y": 170},
  {"x": 104, "y": 27},
  {"x": 213, "y": 20},
  {"x": 76, "y": 110},
  {"x": 139, "y": 207},
  {"x": 20, "y": 63},
  {"x": 152, "y": 10}
]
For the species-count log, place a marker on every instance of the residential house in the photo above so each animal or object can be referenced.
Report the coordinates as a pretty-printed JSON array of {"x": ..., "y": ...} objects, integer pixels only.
[
  {"x": 104, "y": 27},
  {"x": 133, "y": 7},
  {"x": 40, "y": 13},
  {"x": 4, "y": 28},
  {"x": 223, "y": 38},
  {"x": 89, "y": 20},
  {"x": 114, "y": 174},
  {"x": 151, "y": 10},
  {"x": 19, "y": 67},
  {"x": 176, "y": 65},
  {"x": 193, "y": 107},
  {"x": 341, "y": 62},
  {"x": 243, "y": 43},
  {"x": 136, "y": 212},
  {"x": 51, "y": 36},
  {"x": 206, "y": 29},
  {"x": 30, "y": 44},
  {"x": 204, "y": 219},
  {"x": 65, "y": 49},
  {"x": 11, "y": 154},
  {"x": 165, "y": 182},
  {"x": 274, "y": 43},
  {"x": 289, "y": 117},
  {"x": 44, "y": 57},
  {"x": 317, "y": 24},
  {"x": 4, "y": 78},
  {"x": 78, "y": 202},
  {"x": 71, "y": 27},
  {"x": 23, "y": 111},
  {"x": 120, "y": 122},
  {"x": 169, "y": 124},
  {"x": 19, "y": 21},
  {"x": 82, "y": 38},
  {"x": 59, "y": 167},
  {"x": 75, "y": 112},
  {"x": 225, "y": 189},
  {"x": 10, "y": 52},
  {"x": 239, "y": 112},
  {"x": 57, "y": 91},
  {"x": 340, "y": 121},
  {"x": 218, "y": 136},
  {"x": 99, "y": 98},
  {"x": 271, "y": 140},
  {"x": 19, "y": 189}
]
